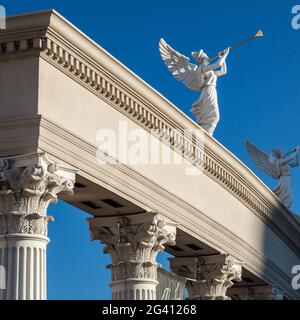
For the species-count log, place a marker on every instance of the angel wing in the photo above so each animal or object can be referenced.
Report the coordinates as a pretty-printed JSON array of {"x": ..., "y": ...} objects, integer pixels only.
[
  {"x": 263, "y": 161},
  {"x": 180, "y": 67}
]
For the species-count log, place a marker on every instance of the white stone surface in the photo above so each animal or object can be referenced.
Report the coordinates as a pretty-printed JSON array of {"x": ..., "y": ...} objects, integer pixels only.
[
  {"x": 28, "y": 184},
  {"x": 209, "y": 277},
  {"x": 24, "y": 256},
  {"x": 133, "y": 243}
]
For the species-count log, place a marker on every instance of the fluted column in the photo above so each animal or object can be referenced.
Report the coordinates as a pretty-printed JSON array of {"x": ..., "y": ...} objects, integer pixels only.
[
  {"x": 209, "y": 277},
  {"x": 28, "y": 184},
  {"x": 133, "y": 243}
]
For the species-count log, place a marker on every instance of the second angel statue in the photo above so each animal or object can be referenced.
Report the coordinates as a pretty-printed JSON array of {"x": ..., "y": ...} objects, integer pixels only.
[
  {"x": 278, "y": 167},
  {"x": 199, "y": 77}
]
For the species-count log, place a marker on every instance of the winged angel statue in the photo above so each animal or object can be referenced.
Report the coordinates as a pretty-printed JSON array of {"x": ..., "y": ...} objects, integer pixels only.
[
  {"x": 199, "y": 77},
  {"x": 278, "y": 167}
]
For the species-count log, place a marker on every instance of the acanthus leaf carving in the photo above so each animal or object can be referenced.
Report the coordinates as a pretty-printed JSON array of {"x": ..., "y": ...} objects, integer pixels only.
[
  {"x": 25, "y": 194},
  {"x": 133, "y": 247},
  {"x": 209, "y": 277}
]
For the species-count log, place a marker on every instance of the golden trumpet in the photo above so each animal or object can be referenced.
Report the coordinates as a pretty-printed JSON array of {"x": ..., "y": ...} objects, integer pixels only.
[{"x": 259, "y": 33}]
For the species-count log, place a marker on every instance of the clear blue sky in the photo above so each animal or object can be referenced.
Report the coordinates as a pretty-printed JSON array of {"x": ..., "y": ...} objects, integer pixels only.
[{"x": 259, "y": 98}]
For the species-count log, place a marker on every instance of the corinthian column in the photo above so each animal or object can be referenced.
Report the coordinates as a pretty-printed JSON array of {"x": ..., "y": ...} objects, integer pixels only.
[
  {"x": 209, "y": 277},
  {"x": 133, "y": 243},
  {"x": 28, "y": 184}
]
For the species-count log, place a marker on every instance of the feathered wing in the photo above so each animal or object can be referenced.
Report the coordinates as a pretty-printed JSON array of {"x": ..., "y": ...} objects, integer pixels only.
[
  {"x": 180, "y": 67},
  {"x": 263, "y": 161}
]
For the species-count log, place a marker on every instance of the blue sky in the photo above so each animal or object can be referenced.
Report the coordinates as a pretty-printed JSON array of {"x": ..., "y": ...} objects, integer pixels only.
[{"x": 259, "y": 98}]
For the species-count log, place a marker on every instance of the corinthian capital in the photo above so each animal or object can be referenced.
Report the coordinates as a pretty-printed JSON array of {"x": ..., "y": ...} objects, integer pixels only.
[
  {"x": 28, "y": 184},
  {"x": 133, "y": 243},
  {"x": 261, "y": 292},
  {"x": 209, "y": 276}
]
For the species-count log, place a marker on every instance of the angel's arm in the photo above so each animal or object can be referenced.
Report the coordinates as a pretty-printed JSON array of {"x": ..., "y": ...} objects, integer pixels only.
[
  {"x": 222, "y": 71},
  {"x": 296, "y": 162},
  {"x": 213, "y": 66},
  {"x": 292, "y": 158},
  {"x": 222, "y": 57}
]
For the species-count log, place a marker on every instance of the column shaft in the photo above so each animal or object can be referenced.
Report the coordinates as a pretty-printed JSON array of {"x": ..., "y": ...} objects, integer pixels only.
[
  {"x": 134, "y": 289},
  {"x": 28, "y": 184},
  {"x": 24, "y": 258}
]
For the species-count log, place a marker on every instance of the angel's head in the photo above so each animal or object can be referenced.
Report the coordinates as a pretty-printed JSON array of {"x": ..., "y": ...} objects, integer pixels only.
[
  {"x": 201, "y": 57},
  {"x": 278, "y": 153}
]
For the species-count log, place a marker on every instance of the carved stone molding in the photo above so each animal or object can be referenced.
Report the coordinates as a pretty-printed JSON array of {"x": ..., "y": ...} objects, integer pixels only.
[
  {"x": 266, "y": 293},
  {"x": 28, "y": 223},
  {"x": 28, "y": 184},
  {"x": 21, "y": 46},
  {"x": 209, "y": 277},
  {"x": 133, "y": 243},
  {"x": 263, "y": 292}
]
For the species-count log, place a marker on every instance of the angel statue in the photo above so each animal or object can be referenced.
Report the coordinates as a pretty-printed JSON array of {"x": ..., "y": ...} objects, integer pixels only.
[
  {"x": 199, "y": 77},
  {"x": 279, "y": 167}
]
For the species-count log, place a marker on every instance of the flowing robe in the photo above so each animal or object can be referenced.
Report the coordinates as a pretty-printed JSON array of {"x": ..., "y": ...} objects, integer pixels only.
[
  {"x": 206, "y": 108},
  {"x": 284, "y": 187}
]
